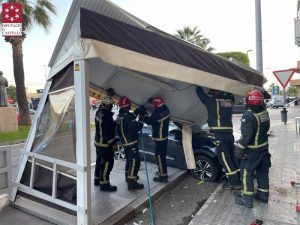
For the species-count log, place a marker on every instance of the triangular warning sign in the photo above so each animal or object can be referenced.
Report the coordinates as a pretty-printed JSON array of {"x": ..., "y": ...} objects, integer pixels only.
[{"x": 284, "y": 76}]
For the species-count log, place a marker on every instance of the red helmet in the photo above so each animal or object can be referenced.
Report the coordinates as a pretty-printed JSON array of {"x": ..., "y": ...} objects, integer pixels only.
[
  {"x": 124, "y": 102},
  {"x": 157, "y": 102},
  {"x": 255, "y": 98}
]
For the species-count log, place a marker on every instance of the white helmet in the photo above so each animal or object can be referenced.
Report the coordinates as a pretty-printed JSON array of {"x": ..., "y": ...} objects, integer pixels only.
[{"x": 107, "y": 101}]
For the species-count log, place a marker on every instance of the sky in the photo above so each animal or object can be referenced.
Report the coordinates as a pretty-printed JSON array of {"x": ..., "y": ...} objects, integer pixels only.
[{"x": 230, "y": 25}]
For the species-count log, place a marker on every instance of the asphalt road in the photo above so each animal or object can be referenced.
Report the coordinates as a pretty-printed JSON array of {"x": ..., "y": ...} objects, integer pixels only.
[{"x": 179, "y": 205}]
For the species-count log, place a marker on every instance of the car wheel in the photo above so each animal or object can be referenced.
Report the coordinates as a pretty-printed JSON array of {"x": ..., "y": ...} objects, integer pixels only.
[
  {"x": 120, "y": 153},
  {"x": 206, "y": 169}
]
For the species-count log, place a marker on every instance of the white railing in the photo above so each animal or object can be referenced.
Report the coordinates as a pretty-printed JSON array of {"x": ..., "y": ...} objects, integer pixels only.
[
  {"x": 5, "y": 170},
  {"x": 289, "y": 104},
  {"x": 297, "y": 31},
  {"x": 54, "y": 162}
]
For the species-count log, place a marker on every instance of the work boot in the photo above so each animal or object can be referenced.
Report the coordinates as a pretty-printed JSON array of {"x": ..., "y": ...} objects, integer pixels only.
[
  {"x": 126, "y": 178},
  {"x": 133, "y": 185},
  {"x": 160, "y": 179},
  {"x": 244, "y": 200},
  {"x": 262, "y": 197},
  {"x": 108, "y": 187}
]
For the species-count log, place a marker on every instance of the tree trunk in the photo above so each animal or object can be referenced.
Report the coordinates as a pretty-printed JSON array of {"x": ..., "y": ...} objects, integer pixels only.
[{"x": 17, "y": 48}]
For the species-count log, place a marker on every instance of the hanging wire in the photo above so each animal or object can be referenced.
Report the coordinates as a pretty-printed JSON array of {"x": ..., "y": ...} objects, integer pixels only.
[{"x": 148, "y": 183}]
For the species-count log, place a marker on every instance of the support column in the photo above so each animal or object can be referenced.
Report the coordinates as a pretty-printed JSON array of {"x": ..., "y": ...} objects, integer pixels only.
[{"x": 83, "y": 150}]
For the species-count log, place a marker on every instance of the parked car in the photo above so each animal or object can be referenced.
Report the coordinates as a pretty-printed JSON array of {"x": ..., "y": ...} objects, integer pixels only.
[
  {"x": 207, "y": 168},
  {"x": 275, "y": 102},
  {"x": 238, "y": 108}
]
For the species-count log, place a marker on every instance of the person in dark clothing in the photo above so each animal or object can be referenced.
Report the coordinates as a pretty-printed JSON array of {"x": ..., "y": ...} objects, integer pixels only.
[
  {"x": 160, "y": 120},
  {"x": 255, "y": 156},
  {"x": 105, "y": 145},
  {"x": 128, "y": 128},
  {"x": 219, "y": 106}
]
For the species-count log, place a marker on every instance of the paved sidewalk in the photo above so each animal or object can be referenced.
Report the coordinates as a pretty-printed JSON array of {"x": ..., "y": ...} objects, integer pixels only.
[
  {"x": 220, "y": 208},
  {"x": 107, "y": 208}
]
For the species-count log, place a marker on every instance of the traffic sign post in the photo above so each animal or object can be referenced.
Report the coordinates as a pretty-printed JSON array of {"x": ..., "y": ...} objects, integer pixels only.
[{"x": 284, "y": 76}]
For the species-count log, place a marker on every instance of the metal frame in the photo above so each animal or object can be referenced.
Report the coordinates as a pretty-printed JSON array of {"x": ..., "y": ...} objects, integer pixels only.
[
  {"x": 83, "y": 151},
  {"x": 29, "y": 140},
  {"x": 6, "y": 170},
  {"x": 83, "y": 148},
  {"x": 297, "y": 124}
]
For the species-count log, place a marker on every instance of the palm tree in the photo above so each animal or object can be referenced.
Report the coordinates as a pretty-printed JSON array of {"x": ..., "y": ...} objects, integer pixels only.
[
  {"x": 34, "y": 12},
  {"x": 194, "y": 36}
]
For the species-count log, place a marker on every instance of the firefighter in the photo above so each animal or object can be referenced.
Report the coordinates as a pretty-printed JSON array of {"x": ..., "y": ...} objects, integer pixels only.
[
  {"x": 105, "y": 144},
  {"x": 253, "y": 145},
  {"x": 159, "y": 120},
  {"x": 219, "y": 107},
  {"x": 127, "y": 128}
]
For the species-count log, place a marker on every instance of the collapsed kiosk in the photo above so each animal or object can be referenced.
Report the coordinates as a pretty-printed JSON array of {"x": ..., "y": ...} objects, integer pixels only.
[{"x": 101, "y": 46}]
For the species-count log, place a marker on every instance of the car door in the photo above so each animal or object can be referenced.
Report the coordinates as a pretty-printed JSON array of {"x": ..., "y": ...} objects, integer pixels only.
[
  {"x": 175, "y": 156},
  {"x": 175, "y": 153}
]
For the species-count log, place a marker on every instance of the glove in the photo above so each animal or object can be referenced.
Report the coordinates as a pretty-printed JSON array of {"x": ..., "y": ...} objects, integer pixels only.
[
  {"x": 110, "y": 92},
  {"x": 239, "y": 152},
  {"x": 141, "y": 111},
  {"x": 150, "y": 100}
]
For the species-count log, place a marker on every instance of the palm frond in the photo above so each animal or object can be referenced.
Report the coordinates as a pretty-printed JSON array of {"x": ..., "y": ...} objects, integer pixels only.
[
  {"x": 27, "y": 14},
  {"x": 41, "y": 17},
  {"x": 193, "y": 35},
  {"x": 46, "y": 4}
]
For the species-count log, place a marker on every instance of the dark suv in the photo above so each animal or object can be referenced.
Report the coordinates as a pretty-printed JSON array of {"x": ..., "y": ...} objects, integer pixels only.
[{"x": 208, "y": 167}]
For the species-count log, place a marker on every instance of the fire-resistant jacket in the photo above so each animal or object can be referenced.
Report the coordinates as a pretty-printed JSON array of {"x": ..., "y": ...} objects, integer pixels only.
[
  {"x": 105, "y": 128},
  {"x": 128, "y": 128},
  {"x": 159, "y": 120},
  {"x": 254, "y": 129},
  {"x": 219, "y": 110}
]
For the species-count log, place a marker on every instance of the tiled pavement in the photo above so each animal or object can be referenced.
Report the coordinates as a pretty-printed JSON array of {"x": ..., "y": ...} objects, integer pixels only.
[{"x": 220, "y": 208}]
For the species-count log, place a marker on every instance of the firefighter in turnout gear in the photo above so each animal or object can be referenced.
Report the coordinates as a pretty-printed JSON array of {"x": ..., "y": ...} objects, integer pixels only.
[
  {"x": 219, "y": 107},
  {"x": 128, "y": 128},
  {"x": 253, "y": 145},
  {"x": 159, "y": 120},
  {"x": 105, "y": 145}
]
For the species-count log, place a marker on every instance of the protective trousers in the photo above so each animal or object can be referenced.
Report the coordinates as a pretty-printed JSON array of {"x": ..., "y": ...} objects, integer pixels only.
[
  {"x": 226, "y": 156},
  {"x": 259, "y": 162},
  {"x": 160, "y": 150},
  {"x": 133, "y": 162},
  {"x": 104, "y": 164}
]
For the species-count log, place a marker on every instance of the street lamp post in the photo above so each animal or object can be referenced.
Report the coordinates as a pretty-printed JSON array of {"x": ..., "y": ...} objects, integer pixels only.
[
  {"x": 250, "y": 50},
  {"x": 259, "y": 59}
]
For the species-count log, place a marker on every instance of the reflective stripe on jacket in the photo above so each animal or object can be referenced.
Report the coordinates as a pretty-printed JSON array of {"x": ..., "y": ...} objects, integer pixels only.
[
  {"x": 254, "y": 130},
  {"x": 128, "y": 128},
  {"x": 159, "y": 120},
  {"x": 105, "y": 128},
  {"x": 219, "y": 110}
]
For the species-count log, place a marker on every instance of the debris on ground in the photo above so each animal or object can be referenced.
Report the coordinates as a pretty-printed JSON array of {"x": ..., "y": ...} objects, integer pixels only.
[
  {"x": 200, "y": 182},
  {"x": 144, "y": 210}
]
